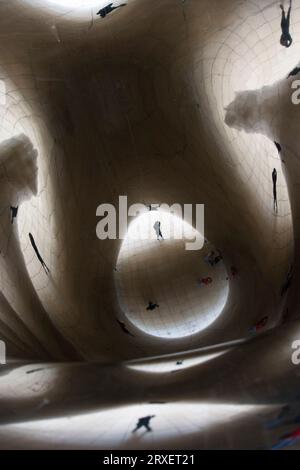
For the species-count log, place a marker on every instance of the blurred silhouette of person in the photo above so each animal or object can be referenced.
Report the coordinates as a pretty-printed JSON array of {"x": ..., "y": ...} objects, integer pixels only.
[
  {"x": 47, "y": 270},
  {"x": 35, "y": 370},
  {"x": 287, "y": 282},
  {"x": 213, "y": 258},
  {"x": 218, "y": 258},
  {"x": 288, "y": 439},
  {"x": 274, "y": 178},
  {"x": 294, "y": 72},
  {"x": 279, "y": 419},
  {"x": 286, "y": 39},
  {"x": 108, "y": 9},
  {"x": 157, "y": 228},
  {"x": 260, "y": 325},
  {"x": 279, "y": 149},
  {"x": 144, "y": 422},
  {"x": 209, "y": 258},
  {"x": 153, "y": 207},
  {"x": 14, "y": 213},
  {"x": 289, "y": 415},
  {"x": 278, "y": 146},
  {"x": 152, "y": 306},
  {"x": 233, "y": 271},
  {"x": 124, "y": 328},
  {"x": 206, "y": 281}
]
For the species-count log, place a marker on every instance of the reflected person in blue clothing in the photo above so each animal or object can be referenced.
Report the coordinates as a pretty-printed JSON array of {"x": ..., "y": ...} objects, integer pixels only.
[{"x": 108, "y": 9}]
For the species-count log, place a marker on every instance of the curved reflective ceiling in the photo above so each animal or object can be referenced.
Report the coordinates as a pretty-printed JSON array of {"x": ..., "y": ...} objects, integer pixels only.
[{"x": 169, "y": 102}]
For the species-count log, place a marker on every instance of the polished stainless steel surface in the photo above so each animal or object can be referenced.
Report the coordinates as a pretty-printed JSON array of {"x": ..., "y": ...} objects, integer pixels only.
[{"x": 163, "y": 101}]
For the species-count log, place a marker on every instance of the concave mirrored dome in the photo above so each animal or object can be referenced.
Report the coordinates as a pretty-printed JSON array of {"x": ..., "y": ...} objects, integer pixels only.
[{"x": 165, "y": 273}]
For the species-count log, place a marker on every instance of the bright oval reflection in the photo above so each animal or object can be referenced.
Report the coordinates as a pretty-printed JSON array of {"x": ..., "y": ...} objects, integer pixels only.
[{"x": 165, "y": 273}]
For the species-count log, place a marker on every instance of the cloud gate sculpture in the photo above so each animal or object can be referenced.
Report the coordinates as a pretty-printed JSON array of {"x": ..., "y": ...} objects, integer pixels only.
[{"x": 171, "y": 323}]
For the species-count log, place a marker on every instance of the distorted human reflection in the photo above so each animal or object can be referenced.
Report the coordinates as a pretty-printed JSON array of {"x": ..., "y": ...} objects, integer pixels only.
[{"x": 147, "y": 339}]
